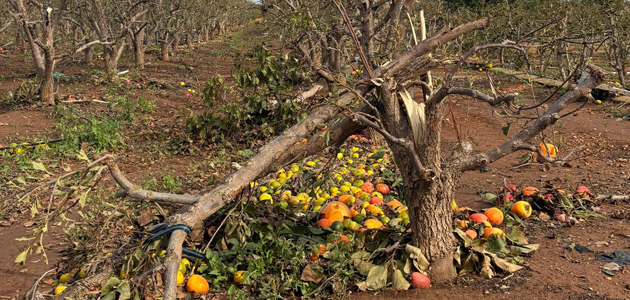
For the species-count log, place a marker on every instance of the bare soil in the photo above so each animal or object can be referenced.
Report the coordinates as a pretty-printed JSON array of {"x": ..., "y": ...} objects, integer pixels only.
[{"x": 553, "y": 272}]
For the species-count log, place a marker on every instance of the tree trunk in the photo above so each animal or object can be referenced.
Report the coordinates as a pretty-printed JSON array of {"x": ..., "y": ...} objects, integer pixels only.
[
  {"x": 176, "y": 40},
  {"x": 430, "y": 204},
  {"x": 164, "y": 50},
  {"x": 88, "y": 55},
  {"x": 189, "y": 40},
  {"x": 138, "y": 47},
  {"x": 47, "y": 88},
  {"x": 428, "y": 200},
  {"x": 206, "y": 34},
  {"x": 19, "y": 42}
]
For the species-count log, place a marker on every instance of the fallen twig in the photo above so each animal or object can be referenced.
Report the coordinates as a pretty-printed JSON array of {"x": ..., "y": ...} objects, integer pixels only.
[{"x": 33, "y": 291}]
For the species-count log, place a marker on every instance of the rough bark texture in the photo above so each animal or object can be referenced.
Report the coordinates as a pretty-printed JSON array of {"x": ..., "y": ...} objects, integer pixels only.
[
  {"x": 164, "y": 51},
  {"x": 176, "y": 40},
  {"x": 41, "y": 41},
  {"x": 428, "y": 200},
  {"x": 88, "y": 56},
  {"x": 139, "y": 47}
]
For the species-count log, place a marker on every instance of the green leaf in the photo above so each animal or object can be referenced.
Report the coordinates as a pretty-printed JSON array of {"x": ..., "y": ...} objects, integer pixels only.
[
  {"x": 110, "y": 285},
  {"x": 362, "y": 286},
  {"x": 479, "y": 245},
  {"x": 490, "y": 197},
  {"x": 316, "y": 231},
  {"x": 497, "y": 244},
  {"x": 124, "y": 291},
  {"x": 21, "y": 258},
  {"x": 109, "y": 296},
  {"x": 524, "y": 249},
  {"x": 232, "y": 290},
  {"x": 21, "y": 180},
  {"x": 503, "y": 264},
  {"x": 506, "y": 128},
  {"x": 39, "y": 167},
  {"x": 361, "y": 263},
  {"x": 376, "y": 278},
  {"x": 419, "y": 260},
  {"x": 517, "y": 236},
  {"x": 83, "y": 156},
  {"x": 463, "y": 237},
  {"x": 407, "y": 267},
  {"x": 83, "y": 198},
  {"x": 399, "y": 282}
]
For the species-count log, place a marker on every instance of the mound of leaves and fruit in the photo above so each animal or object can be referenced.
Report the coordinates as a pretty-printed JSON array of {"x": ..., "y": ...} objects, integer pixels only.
[{"x": 330, "y": 226}]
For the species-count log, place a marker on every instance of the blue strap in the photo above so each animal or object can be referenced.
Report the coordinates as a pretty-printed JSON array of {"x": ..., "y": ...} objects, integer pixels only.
[{"x": 163, "y": 230}]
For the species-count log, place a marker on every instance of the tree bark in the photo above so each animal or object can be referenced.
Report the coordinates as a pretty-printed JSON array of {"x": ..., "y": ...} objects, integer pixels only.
[
  {"x": 88, "y": 55},
  {"x": 177, "y": 37},
  {"x": 189, "y": 40},
  {"x": 164, "y": 50},
  {"x": 138, "y": 47},
  {"x": 47, "y": 86},
  {"x": 428, "y": 200},
  {"x": 206, "y": 34}
]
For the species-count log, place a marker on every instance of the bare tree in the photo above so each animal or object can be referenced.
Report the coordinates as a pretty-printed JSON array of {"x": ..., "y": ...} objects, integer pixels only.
[
  {"x": 39, "y": 32},
  {"x": 111, "y": 23}
]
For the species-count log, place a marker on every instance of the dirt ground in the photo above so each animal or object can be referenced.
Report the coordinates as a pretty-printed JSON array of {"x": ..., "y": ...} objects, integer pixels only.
[{"x": 552, "y": 272}]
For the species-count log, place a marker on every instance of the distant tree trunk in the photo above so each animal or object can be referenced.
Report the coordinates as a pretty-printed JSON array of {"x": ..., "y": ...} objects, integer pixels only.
[
  {"x": 618, "y": 52},
  {"x": 41, "y": 41},
  {"x": 88, "y": 55},
  {"x": 112, "y": 56},
  {"x": 139, "y": 47},
  {"x": 164, "y": 45},
  {"x": 19, "y": 42},
  {"x": 176, "y": 40},
  {"x": 75, "y": 36},
  {"x": 47, "y": 87},
  {"x": 151, "y": 36},
  {"x": 189, "y": 40},
  {"x": 206, "y": 34}
]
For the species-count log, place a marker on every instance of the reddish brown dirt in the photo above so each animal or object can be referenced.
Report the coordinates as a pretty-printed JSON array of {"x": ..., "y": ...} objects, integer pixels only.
[
  {"x": 14, "y": 279},
  {"x": 553, "y": 272}
]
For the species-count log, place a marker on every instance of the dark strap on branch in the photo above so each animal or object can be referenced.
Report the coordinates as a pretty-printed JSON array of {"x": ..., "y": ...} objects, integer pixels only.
[{"x": 161, "y": 230}]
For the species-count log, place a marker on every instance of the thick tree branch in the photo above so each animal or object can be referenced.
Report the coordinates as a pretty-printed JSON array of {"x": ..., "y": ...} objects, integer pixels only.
[
  {"x": 407, "y": 65},
  {"x": 90, "y": 44},
  {"x": 6, "y": 26},
  {"x": 592, "y": 77}
]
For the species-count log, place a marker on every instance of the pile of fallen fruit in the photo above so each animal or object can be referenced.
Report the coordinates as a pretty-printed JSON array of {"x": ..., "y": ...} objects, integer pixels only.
[{"x": 333, "y": 225}]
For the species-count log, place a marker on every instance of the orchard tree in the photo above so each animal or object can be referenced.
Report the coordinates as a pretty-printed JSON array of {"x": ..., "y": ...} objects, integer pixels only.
[
  {"x": 165, "y": 17},
  {"x": 37, "y": 24},
  {"x": 112, "y": 22}
]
